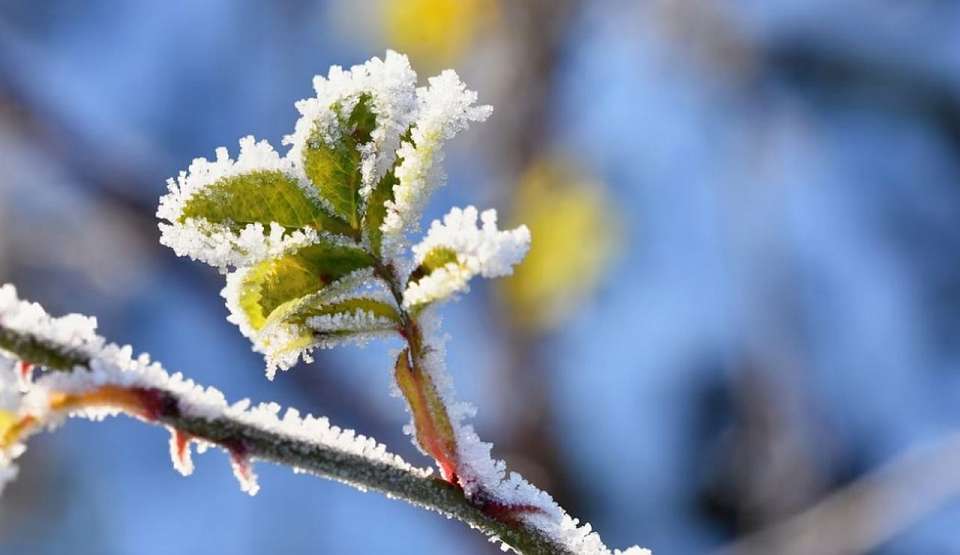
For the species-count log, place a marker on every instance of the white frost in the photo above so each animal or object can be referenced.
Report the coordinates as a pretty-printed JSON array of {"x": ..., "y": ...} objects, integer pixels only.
[{"x": 484, "y": 251}]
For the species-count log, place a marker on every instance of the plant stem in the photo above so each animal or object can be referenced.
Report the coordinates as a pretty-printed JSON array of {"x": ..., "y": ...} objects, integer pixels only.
[{"x": 434, "y": 432}]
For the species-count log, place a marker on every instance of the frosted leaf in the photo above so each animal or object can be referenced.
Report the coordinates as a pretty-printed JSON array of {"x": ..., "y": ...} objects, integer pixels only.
[
  {"x": 298, "y": 327},
  {"x": 258, "y": 295},
  {"x": 465, "y": 250},
  {"x": 390, "y": 84},
  {"x": 229, "y": 212},
  {"x": 445, "y": 108}
]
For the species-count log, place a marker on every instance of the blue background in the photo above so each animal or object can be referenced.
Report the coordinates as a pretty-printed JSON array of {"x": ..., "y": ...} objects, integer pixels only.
[{"x": 781, "y": 317}]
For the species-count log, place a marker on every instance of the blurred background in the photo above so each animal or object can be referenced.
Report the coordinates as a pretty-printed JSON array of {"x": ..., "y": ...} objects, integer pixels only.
[{"x": 737, "y": 331}]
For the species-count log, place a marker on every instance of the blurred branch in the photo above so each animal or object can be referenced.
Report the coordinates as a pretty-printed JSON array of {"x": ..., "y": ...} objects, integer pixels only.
[
  {"x": 868, "y": 512},
  {"x": 898, "y": 87},
  {"x": 534, "y": 33}
]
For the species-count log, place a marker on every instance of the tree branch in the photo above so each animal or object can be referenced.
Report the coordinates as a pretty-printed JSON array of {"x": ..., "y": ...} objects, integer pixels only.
[
  {"x": 324, "y": 461},
  {"x": 863, "y": 515}
]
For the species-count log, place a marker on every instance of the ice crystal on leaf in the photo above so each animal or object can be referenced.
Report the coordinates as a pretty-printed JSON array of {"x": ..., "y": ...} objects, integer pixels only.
[{"x": 456, "y": 250}]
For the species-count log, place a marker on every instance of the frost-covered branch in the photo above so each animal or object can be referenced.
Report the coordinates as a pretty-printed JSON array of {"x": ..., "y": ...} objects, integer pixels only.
[{"x": 100, "y": 379}]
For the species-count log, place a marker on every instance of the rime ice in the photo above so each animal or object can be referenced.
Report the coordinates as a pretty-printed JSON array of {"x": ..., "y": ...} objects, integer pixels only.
[
  {"x": 484, "y": 251},
  {"x": 10, "y": 400},
  {"x": 73, "y": 332}
]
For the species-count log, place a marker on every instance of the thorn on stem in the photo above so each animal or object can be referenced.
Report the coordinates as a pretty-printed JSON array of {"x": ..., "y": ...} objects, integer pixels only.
[
  {"x": 180, "y": 451},
  {"x": 25, "y": 373},
  {"x": 242, "y": 467}
]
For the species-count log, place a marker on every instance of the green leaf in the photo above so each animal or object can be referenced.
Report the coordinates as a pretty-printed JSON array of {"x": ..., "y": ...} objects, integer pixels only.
[
  {"x": 259, "y": 197},
  {"x": 335, "y": 169},
  {"x": 275, "y": 282},
  {"x": 435, "y": 259}
]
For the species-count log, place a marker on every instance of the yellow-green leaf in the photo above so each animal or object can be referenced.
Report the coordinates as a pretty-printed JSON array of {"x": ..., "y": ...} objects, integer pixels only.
[
  {"x": 294, "y": 314},
  {"x": 275, "y": 282},
  {"x": 259, "y": 197}
]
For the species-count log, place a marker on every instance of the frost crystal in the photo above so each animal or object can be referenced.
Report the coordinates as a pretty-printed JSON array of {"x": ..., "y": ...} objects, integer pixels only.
[
  {"x": 445, "y": 108},
  {"x": 357, "y": 321},
  {"x": 484, "y": 250},
  {"x": 180, "y": 452}
]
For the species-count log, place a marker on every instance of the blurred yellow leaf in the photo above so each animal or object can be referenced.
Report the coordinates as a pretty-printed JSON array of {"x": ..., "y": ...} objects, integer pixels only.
[
  {"x": 435, "y": 32},
  {"x": 8, "y": 421},
  {"x": 574, "y": 234}
]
